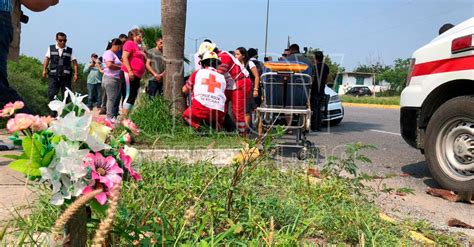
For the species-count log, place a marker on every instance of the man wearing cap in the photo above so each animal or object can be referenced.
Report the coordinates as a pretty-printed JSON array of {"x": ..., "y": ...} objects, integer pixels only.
[
  {"x": 10, "y": 13},
  {"x": 208, "y": 94},
  {"x": 60, "y": 66}
]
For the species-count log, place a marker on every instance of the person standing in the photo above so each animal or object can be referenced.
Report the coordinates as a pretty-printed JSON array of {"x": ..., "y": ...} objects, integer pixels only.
[
  {"x": 296, "y": 56},
  {"x": 133, "y": 68},
  {"x": 10, "y": 12},
  {"x": 243, "y": 56},
  {"x": 111, "y": 80},
  {"x": 156, "y": 66},
  {"x": 94, "y": 81},
  {"x": 238, "y": 89},
  {"x": 318, "y": 95},
  {"x": 60, "y": 66}
]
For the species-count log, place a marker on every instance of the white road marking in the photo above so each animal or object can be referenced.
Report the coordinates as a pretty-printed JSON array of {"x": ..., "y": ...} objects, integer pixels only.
[{"x": 386, "y": 132}]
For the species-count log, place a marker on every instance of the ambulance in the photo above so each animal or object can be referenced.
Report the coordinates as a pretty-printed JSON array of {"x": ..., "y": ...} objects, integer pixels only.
[{"x": 437, "y": 106}]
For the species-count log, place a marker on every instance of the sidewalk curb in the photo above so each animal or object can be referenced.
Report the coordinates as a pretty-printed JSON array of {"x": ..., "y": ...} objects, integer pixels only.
[
  {"x": 371, "y": 105},
  {"x": 219, "y": 157}
]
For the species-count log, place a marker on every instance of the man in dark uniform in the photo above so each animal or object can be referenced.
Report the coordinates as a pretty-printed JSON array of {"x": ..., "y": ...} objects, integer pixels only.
[
  {"x": 10, "y": 15},
  {"x": 62, "y": 66},
  {"x": 318, "y": 96}
]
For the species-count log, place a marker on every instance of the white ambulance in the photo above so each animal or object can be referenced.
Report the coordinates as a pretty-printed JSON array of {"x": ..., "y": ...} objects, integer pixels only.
[{"x": 437, "y": 106}]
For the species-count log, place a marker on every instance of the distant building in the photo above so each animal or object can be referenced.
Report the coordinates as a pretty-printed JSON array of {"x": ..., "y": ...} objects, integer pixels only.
[{"x": 345, "y": 80}]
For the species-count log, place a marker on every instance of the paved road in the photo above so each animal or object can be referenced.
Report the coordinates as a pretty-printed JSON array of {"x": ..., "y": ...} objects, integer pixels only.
[{"x": 393, "y": 156}]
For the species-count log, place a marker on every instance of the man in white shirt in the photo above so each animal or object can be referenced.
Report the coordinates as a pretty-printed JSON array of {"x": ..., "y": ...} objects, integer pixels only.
[{"x": 60, "y": 66}]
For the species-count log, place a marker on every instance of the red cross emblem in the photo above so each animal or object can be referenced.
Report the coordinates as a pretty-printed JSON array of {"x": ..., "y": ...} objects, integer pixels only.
[{"x": 211, "y": 83}]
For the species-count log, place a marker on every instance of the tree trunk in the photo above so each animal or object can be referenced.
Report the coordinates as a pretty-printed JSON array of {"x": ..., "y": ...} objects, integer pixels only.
[
  {"x": 76, "y": 229},
  {"x": 173, "y": 22}
]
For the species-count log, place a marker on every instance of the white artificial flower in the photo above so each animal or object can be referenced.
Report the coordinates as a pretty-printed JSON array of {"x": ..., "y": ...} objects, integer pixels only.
[
  {"x": 131, "y": 151},
  {"x": 97, "y": 136},
  {"x": 74, "y": 128},
  {"x": 68, "y": 160},
  {"x": 57, "y": 106},
  {"x": 51, "y": 175},
  {"x": 77, "y": 99}
]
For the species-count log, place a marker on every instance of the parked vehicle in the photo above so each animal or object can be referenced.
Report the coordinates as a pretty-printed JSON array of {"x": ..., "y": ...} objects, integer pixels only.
[
  {"x": 359, "y": 91},
  {"x": 437, "y": 106},
  {"x": 335, "y": 112}
]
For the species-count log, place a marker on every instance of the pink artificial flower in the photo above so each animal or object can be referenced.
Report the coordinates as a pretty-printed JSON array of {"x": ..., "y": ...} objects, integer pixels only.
[
  {"x": 104, "y": 170},
  {"x": 127, "y": 162},
  {"x": 101, "y": 197},
  {"x": 41, "y": 123},
  {"x": 9, "y": 109},
  {"x": 127, "y": 138},
  {"x": 130, "y": 126},
  {"x": 21, "y": 121},
  {"x": 104, "y": 121}
]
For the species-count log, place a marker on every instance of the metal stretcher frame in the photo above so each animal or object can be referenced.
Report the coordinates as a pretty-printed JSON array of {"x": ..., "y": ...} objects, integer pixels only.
[{"x": 281, "y": 108}]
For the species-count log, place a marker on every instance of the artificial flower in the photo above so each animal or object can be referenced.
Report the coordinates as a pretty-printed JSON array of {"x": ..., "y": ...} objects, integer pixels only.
[
  {"x": 10, "y": 108},
  {"x": 103, "y": 169},
  {"x": 127, "y": 163},
  {"x": 98, "y": 134},
  {"x": 68, "y": 160},
  {"x": 63, "y": 187},
  {"x": 126, "y": 138},
  {"x": 131, "y": 151},
  {"x": 104, "y": 121},
  {"x": 41, "y": 123},
  {"x": 130, "y": 126},
  {"x": 77, "y": 99},
  {"x": 73, "y": 127},
  {"x": 21, "y": 121}
]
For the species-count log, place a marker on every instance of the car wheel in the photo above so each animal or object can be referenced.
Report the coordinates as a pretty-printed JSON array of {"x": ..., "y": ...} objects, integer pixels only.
[{"x": 449, "y": 145}]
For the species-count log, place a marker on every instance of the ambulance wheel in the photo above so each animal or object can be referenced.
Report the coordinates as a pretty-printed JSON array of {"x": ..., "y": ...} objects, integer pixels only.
[
  {"x": 302, "y": 154},
  {"x": 449, "y": 144}
]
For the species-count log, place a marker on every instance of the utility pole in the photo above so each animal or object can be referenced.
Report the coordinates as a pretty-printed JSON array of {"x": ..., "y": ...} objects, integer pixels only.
[
  {"x": 196, "y": 43},
  {"x": 266, "y": 27}
]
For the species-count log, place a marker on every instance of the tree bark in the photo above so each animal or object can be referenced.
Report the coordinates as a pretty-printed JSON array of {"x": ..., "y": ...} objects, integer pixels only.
[
  {"x": 173, "y": 22},
  {"x": 76, "y": 229}
]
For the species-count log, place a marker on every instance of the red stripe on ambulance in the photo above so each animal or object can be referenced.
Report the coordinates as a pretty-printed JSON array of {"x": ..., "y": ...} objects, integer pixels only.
[{"x": 443, "y": 66}]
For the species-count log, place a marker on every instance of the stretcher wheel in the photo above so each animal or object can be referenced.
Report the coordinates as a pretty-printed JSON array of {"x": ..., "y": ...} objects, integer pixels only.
[{"x": 303, "y": 154}]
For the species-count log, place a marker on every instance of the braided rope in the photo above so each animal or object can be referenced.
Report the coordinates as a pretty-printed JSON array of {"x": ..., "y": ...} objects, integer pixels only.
[
  {"x": 70, "y": 211},
  {"x": 106, "y": 224}
]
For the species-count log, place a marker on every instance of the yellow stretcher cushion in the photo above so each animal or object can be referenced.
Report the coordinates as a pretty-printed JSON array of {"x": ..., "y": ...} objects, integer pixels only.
[{"x": 286, "y": 67}]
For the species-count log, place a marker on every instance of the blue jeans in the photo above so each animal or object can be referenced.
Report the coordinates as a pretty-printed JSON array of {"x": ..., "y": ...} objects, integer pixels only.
[
  {"x": 94, "y": 95},
  {"x": 155, "y": 87},
  {"x": 7, "y": 94}
]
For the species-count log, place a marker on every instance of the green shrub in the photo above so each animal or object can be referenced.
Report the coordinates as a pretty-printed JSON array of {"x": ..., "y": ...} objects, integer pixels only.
[
  {"x": 393, "y": 100},
  {"x": 25, "y": 77},
  {"x": 160, "y": 129}
]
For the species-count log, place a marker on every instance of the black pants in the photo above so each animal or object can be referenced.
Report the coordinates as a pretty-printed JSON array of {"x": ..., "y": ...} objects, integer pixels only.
[
  {"x": 7, "y": 94},
  {"x": 58, "y": 84},
  {"x": 155, "y": 87},
  {"x": 317, "y": 101}
]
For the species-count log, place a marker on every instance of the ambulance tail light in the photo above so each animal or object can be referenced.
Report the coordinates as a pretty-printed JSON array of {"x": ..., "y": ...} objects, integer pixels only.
[
  {"x": 461, "y": 44},
  {"x": 410, "y": 71}
]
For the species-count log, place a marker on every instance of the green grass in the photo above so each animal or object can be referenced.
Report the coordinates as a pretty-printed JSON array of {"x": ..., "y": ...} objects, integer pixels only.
[
  {"x": 391, "y": 100},
  {"x": 160, "y": 130},
  {"x": 186, "y": 204}
]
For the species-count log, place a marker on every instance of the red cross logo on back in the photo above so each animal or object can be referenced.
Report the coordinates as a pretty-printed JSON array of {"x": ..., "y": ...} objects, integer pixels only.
[{"x": 211, "y": 83}]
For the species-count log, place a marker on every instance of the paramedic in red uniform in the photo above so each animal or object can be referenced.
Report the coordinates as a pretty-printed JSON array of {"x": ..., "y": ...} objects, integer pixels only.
[
  {"x": 239, "y": 86},
  {"x": 208, "y": 94}
]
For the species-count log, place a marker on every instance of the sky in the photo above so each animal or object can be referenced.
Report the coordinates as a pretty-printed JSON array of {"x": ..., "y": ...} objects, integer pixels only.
[{"x": 351, "y": 32}]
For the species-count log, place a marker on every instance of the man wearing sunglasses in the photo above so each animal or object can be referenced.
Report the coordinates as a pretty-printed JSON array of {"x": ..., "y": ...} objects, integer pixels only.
[{"x": 60, "y": 66}]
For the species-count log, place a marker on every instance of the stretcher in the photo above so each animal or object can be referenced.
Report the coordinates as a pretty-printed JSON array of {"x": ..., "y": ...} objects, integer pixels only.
[{"x": 286, "y": 101}]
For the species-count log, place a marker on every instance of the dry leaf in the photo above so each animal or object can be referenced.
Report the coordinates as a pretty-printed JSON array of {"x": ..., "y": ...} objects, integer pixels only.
[
  {"x": 314, "y": 172},
  {"x": 445, "y": 194},
  {"x": 460, "y": 224},
  {"x": 418, "y": 237}
]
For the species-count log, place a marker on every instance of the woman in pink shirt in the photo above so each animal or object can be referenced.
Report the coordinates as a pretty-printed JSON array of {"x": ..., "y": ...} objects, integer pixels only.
[{"x": 133, "y": 68}]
